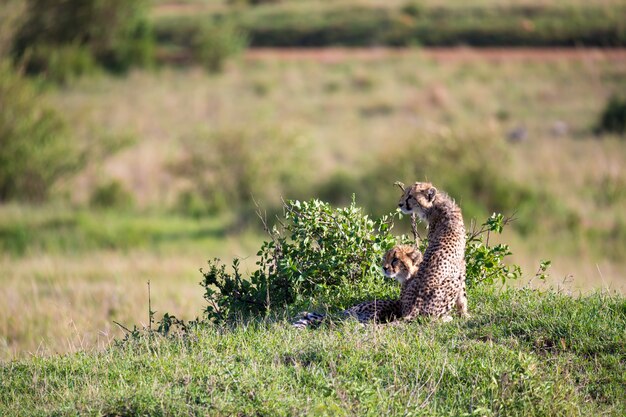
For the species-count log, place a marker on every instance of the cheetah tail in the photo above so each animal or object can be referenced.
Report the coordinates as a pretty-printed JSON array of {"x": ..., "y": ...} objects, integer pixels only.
[{"x": 309, "y": 320}]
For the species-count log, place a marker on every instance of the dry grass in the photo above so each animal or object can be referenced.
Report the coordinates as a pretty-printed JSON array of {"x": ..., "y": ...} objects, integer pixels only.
[
  {"x": 350, "y": 111},
  {"x": 66, "y": 303},
  {"x": 573, "y": 275}
]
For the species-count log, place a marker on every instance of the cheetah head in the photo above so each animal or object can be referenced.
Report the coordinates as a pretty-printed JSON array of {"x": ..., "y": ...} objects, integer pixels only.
[
  {"x": 401, "y": 262},
  {"x": 418, "y": 199}
]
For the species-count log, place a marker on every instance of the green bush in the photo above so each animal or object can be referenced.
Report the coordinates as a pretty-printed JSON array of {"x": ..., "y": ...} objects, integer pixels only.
[
  {"x": 115, "y": 32},
  {"x": 412, "y": 8},
  {"x": 412, "y": 23},
  {"x": 339, "y": 187},
  {"x": 60, "y": 64},
  {"x": 135, "y": 49},
  {"x": 485, "y": 263},
  {"x": 111, "y": 194},
  {"x": 36, "y": 148},
  {"x": 215, "y": 42},
  {"x": 317, "y": 254},
  {"x": 324, "y": 256},
  {"x": 613, "y": 117},
  {"x": 191, "y": 203}
]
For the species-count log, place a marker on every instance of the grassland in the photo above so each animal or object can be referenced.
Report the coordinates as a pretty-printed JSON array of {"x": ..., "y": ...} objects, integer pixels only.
[
  {"x": 177, "y": 158},
  {"x": 337, "y": 126},
  {"x": 524, "y": 353}
]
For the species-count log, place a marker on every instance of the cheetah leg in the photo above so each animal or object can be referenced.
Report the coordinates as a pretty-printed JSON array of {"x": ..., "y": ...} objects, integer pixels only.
[{"x": 461, "y": 303}]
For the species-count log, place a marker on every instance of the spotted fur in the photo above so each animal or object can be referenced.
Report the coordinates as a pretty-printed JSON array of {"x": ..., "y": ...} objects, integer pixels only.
[
  {"x": 400, "y": 263},
  {"x": 440, "y": 282}
]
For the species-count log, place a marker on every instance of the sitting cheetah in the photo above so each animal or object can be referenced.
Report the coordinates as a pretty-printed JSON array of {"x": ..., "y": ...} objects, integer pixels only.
[
  {"x": 400, "y": 263},
  {"x": 440, "y": 281}
]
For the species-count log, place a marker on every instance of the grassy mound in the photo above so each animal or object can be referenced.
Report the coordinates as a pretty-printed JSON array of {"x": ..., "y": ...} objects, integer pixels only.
[{"x": 523, "y": 352}]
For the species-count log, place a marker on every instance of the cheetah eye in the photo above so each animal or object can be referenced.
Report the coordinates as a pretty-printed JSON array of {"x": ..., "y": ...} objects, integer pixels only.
[{"x": 394, "y": 262}]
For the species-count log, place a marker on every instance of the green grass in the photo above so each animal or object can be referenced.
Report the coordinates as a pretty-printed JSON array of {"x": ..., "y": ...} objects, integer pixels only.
[
  {"x": 362, "y": 23},
  {"x": 523, "y": 353},
  {"x": 28, "y": 230}
]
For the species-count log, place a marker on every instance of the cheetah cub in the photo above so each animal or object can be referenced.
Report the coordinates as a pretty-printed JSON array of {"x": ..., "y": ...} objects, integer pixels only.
[
  {"x": 400, "y": 263},
  {"x": 440, "y": 281}
]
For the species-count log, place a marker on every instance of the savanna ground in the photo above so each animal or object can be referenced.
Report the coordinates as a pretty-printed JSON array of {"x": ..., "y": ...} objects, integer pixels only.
[{"x": 325, "y": 125}]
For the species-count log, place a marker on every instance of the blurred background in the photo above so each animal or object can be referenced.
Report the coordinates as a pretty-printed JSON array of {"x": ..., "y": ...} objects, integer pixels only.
[{"x": 136, "y": 136}]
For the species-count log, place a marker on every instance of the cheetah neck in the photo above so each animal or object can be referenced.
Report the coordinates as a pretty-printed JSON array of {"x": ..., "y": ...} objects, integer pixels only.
[{"x": 444, "y": 211}]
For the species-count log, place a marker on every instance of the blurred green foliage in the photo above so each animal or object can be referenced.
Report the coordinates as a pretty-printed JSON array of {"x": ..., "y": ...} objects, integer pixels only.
[
  {"x": 230, "y": 169},
  {"x": 10, "y": 14},
  {"x": 111, "y": 194},
  {"x": 36, "y": 147},
  {"x": 215, "y": 42},
  {"x": 119, "y": 34},
  {"x": 60, "y": 64},
  {"x": 613, "y": 116},
  {"x": 298, "y": 24},
  {"x": 191, "y": 203},
  {"x": 66, "y": 230},
  {"x": 116, "y": 33}
]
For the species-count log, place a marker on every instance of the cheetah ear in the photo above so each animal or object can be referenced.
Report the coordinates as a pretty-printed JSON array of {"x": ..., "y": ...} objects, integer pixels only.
[{"x": 430, "y": 193}]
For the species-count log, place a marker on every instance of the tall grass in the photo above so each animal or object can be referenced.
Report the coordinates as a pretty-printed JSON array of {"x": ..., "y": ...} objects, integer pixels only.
[{"x": 78, "y": 271}]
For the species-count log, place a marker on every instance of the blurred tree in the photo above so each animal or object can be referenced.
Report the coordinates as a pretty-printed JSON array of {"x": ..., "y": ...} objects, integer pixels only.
[
  {"x": 613, "y": 117},
  {"x": 115, "y": 32},
  {"x": 35, "y": 145},
  {"x": 214, "y": 43},
  {"x": 10, "y": 14}
]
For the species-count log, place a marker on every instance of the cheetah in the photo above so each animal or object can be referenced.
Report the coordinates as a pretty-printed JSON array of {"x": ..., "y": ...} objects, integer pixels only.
[
  {"x": 400, "y": 263},
  {"x": 440, "y": 281}
]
